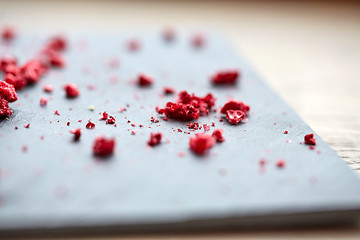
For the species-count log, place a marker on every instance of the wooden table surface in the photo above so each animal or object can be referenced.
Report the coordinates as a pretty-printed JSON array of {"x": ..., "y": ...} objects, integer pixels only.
[{"x": 309, "y": 52}]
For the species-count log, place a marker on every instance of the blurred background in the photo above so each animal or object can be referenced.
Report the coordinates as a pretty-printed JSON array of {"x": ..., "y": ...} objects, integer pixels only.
[{"x": 308, "y": 51}]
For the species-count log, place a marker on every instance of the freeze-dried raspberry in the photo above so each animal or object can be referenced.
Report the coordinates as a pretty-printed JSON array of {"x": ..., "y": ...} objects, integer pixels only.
[
  {"x": 225, "y": 77},
  {"x": 193, "y": 125},
  {"x": 8, "y": 33},
  {"x": 145, "y": 80},
  {"x": 32, "y": 71},
  {"x": 280, "y": 163},
  {"x": 218, "y": 135},
  {"x": 6, "y": 60},
  {"x": 27, "y": 125},
  {"x": 133, "y": 45},
  {"x": 57, "y": 112},
  {"x": 48, "y": 88},
  {"x": 90, "y": 125},
  {"x": 4, "y": 108},
  {"x": 169, "y": 90},
  {"x": 105, "y": 116},
  {"x": 7, "y": 91},
  {"x": 235, "y": 105},
  {"x": 309, "y": 139},
  {"x": 16, "y": 80},
  {"x": 235, "y": 116},
  {"x": 103, "y": 146},
  {"x": 155, "y": 139},
  {"x": 154, "y": 120},
  {"x": 286, "y": 132},
  {"x": 198, "y": 40},
  {"x": 72, "y": 90},
  {"x": 43, "y": 101},
  {"x": 206, "y": 127},
  {"x": 110, "y": 120},
  {"x": 201, "y": 142},
  {"x": 77, "y": 133},
  {"x": 58, "y": 43},
  {"x": 182, "y": 112}
]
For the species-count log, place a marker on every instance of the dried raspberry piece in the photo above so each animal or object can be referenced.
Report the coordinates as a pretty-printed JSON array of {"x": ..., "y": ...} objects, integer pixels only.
[
  {"x": 280, "y": 163},
  {"x": 193, "y": 125},
  {"x": 198, "y": 40},
  {"x": 110, "y": 120},
  {"x": 201, "y": 142},
  {"x": 7, "y": 91},
  {"x": 27, "y": 125},
  {"x": 286, "y": 132},
  {"x": 16, "y": 80},
  {"x": 235, "y": 116},
  {"x": 169, "y": 90},
  {"x": 43, "y": 101},
  {"x": 48, "y": 88},
  {"x": 105, "y": 116},
  {"x": 32, "y": 71},
  {"x": 4, "y": 108},
  {"x": 103, "y": 146},
  {"x": 145, "y": 80},
  {"x": 58, "y": 43},
  {"x": 77, "y": 133},
  {"x": 225, "y": 77},
  {"x": 309, "y": 139},
  {"x": 154, "y": 120},
  {"x": 8, "y": 33},
  {"x": 235, "y": 105},
  {"x": 57, "y": 112},
  {"x": 155, "y": 139},
  {"x": 206, "y": 127},
  {"x": 133, "y": 45},
  {"x": 72, "y": 90},
  {"x": 218, "y": 135},
  {"x": 90, "y": 125}
]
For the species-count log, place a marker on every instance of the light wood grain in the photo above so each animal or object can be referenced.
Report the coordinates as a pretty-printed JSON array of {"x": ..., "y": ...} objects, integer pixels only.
[{"x": 309, "y": 52}]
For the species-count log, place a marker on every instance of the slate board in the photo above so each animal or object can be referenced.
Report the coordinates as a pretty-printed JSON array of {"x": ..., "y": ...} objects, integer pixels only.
[{"x": 58, "y": 184}]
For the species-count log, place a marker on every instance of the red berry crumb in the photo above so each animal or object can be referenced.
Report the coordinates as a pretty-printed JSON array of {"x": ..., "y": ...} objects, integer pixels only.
[
  {"x": 235, "y": 116},
  {"x": 154, "y": 120},
  {"x": 235, "y": 105},
  {"x": 8, "y": 33},
  {"x": 90, "y": 125},
  {"x": 133, "y": 45},
  {"x": 57, "y": 112},
  {"x": 110, "y": 120},
  {"x": 286, "y": 132},
  {"x": 309, "y": 139},
  {"x": 145, "y": 80},
  {"x": 218, "y": 135},
  {"x": 7, "y": 91},
  {"x": 225, "y": 77},
  {"x": 198, "y": 40},
  {"x": 27, "y": 125},
  {"x": 105, "y": 116},
  {"x": 4, "y": 108},
  {"x": 43, "y": 101},
  {"x": 72, "y": 90},
  {"x": 103, "y": 146},
  {"x": 193, "y": 125},
  {"x": 155, "y": 139},
  {"x": 201, "y": 142},
  {"x": 48, "y": 88},
  {"x": 280, "y": 163},
  {"x": 206, "y": 127},
  {"x": 77, "y": 133},
  {"x": 169, "y": 90}
]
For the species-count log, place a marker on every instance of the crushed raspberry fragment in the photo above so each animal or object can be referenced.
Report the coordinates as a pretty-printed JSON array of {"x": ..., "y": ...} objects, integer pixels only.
[
  {"x": 154, "y": 120},
  {"x": 311, "y": 147},
  {"x": 235, "y": 105},
  {"x": 198, "y": 40},
  {"x": 169, "y": 90},
  {"x": 7, "y": 92},
  {"x": 105, "y": 116},
  {"x": 57, "y": 112},
  {"x": 133, "y": 45},
  {"x": 225, "y": 77},
  {"x": 309, "y": 139},
  {"x": 27, "y": 125},
  {"x": 68, "y": 124},
  {"x": 235, "y": 116},
  {"x": 133, "y": 132},
  {"x": 48, "y": 88},
  {"x": 43, "y": 101},
  {"x": 133, "y": 125},
  {"x": 110, "y": 120},
  {"x": 72, "y": 90},
  {"x": 206, "y": 127},
  {"x": 8, "y": 33},
  {"x": 201, "y": 142},
  {"x": 77, "y": 133},
  {"x": 155, "y": 139},
  {"x": 280, "y": 163},
  {"x": 144, "y": 80},
  {"x": 286, "y": 132},
  {"x": 103, "y": 146},
  {"x": 90, "y": 125},
  {"x": 218, "y": 135},
  {"x": 193, "y": 125}
]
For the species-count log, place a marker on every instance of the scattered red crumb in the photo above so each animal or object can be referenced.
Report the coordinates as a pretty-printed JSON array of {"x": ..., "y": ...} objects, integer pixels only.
[
  {"x": 4, "y": 108},
  {"x": 7, "y": 92},
  {"x": 201, "y": 142},
  {"x": 68, "y": 123},
  {"x": 218, "y": 135},
  {"x": 140, "y": 125},
  {"x": 103, "y": 146},
  {"x": 105, "y": 116},
  {"x": 206, "y": 127},
  {"x": 144, "y": 80},
  {"x": 154, "y": 120},
  {"x": 280, "y": 163},
  {"x": 133, "y": 132},
  {"x": 57, "y": 112},
  {"x": 48, "y": 88},
  {"x": 43, "y": 101},
  {"x": 179, "y": 130},
  {"x": 198, "y": 40},
  {"x": 8, "y": 33},
  {"x": 225, "y": 77},
  {"x": 165, "y": 118},
  {"x": 286, "y": 132},
  {"x": 77, "y": 133},
  {"x": 133, "y": 45},
  {"x": 212, "y": 124},
  {"x": 133, "y": 125},
  {"x": 235, "y": 116},
  {"x": 27, "y": 125},
  {"x": 155, "y": 139},
  {"x": 24, "y": 148},
  {"x": 193, "y": 125},
  {"x": 221, "y": 120},
  {"x": 169, "y": 34},
  {"x": 311, "y": 147},
  {"x": 181, "y": 154},
  {"x": 79, "y": 120},
  {"x": 309, "y": 139},
  {"x": 235, "y": 105},
  {"x": 72, "y": 90},
  {"x": 169, "y": 90},
  {"x": 90, "y": 125}
]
